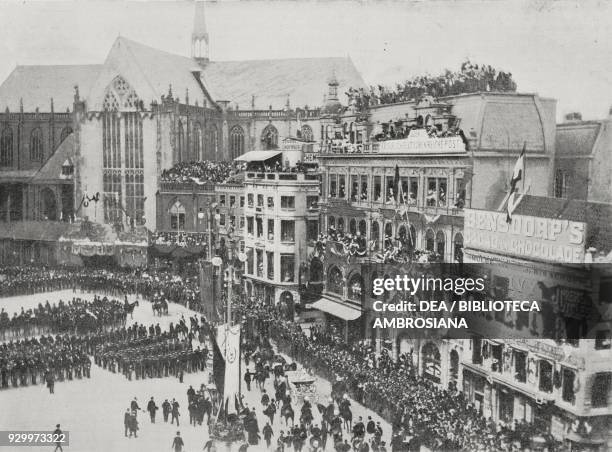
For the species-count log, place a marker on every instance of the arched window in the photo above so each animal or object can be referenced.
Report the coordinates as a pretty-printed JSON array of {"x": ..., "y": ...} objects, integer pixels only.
[
  {"x": 121, "y": 96},
  {"x": 355, "y": 288},
  {"x": 197, "y": 141},
  {"x": 307, "y": 133},
  {"x": 335, "y": 281},
  {"x": 389, "y": 230},
  {"x": 6, "y": 147},
  {"x": 36, "y": 145},
  {"x": 269, "y": 137},
  {"x": 353, "y": 226},
  {"x": 177, "y": 216},
  {"x": 236, "y": 141},
  {"x": 401, "y": 233},
  {"x": 331, "y": 222},
  {"x": 440, "y": 242},
  {"x": 362, "y": 228},
  {"x": 458, "y": 247},
  {"x": 180, "y": 142},
  {"x": 65, "y": 132},
  {"x": 413, "y": 236},
  {"x": 375, "y": 235},
  {"x": 429, "y": 240},
  {"x": 212, "y": 143},
  {"x": 341, "y": 225}
]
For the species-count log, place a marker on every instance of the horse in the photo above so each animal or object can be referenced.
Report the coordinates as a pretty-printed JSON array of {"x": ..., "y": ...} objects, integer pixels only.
[
  {"x": 129, "y": 308},
  {"x": 347, "y": 415},
  {"x": 287, "y": 413},
  {"x": 160, "y": 307}
]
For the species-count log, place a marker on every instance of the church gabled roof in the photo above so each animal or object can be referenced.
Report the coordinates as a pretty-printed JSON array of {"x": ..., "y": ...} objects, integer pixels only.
[
  {"x": 51, "y": 171},
  {"x": 37, "y": 84},
  {"x": 302, "y": 80},
  {"x": 150, "y": 72}
]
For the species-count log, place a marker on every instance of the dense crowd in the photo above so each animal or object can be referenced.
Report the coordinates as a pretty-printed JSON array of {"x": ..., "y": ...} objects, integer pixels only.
[
  {"x": 421, "y": 412},
  {"x": 75, "y": 316},
  {"x": 150, "y": 353},
  {"x": 201, "y": 172},
  {"x": 43, "y": 360},
  {"x": 182, "y": 239},
  {"x": 398, "y": 250},
  {"x": 152, "y": 284},
  {"x": 470, "y": 78}
]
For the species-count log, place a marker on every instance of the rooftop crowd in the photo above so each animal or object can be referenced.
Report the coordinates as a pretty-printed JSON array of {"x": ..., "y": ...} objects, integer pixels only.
[
  {"x": 470, "y": 78},
  {"x": 201, "y": 172}
]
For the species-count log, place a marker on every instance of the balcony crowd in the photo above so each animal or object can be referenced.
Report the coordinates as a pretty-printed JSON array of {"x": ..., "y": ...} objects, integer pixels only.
[{"x": 201, "y": 172}]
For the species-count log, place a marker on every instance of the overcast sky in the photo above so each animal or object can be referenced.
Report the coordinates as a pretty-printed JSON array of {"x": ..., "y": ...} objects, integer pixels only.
[{"x": 560, "y": 49}]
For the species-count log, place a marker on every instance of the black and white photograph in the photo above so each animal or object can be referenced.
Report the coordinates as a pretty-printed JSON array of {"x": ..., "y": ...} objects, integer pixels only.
[{"x": 306, "y": 225}]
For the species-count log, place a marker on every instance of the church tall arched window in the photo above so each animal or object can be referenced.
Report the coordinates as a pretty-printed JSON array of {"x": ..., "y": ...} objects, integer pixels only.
[
  {"x": 180, "y": 142},
  {"x": 65, "y": 132},
  {"x": 177, "y": 216},
  {"x": 236, "y": 143},
  {"x": 212, "y": 143},
  {"x": 307, "y": 133},
  {"x": 197, "y": 141},
  {"x": 6, "y": 147},
  {"x": 269, "y": 137},
  {"x": 121, "y": 96},
  {"x": 36, "y": 145}
]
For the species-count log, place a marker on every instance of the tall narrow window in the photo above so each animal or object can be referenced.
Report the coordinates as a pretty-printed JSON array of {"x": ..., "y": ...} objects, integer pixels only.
[
  {"x": 65, "y": 132},
  {"x": 6, "y": 147},
  {"x": 269, "y": 137},
  {"x": 111, "y": 167},
  {"x": 180, "y": 139},
  {"x": 307, "y": 133},
  {"x": 36, "y": 145},
  {"x": 177, "y": 217},
  {"x": 236, "y": 143},
  {"x": 197, "y": 141}
]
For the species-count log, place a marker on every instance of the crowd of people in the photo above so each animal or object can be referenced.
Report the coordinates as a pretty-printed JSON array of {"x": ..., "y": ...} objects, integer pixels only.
[
  {"x": 179, "y": 238},
  {"x": 76, "y": 315},
  {"x": 420, "y": 411},
  {"x": 152, "y": 284},
  {"x": 150, "y": 353},
  {"x": 470, "y": 78},
  {"x": 43, "y": 361},
  {"x": 201, "y": 172}
]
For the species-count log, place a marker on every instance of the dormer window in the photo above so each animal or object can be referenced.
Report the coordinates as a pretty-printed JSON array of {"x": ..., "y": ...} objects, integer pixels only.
[{"x": 67, "y": 168}]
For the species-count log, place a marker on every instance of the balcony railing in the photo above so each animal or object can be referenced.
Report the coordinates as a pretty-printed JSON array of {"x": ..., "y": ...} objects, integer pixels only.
[
  {"x": 282, "y": 176},
  {"x": 174, "y": 186}
]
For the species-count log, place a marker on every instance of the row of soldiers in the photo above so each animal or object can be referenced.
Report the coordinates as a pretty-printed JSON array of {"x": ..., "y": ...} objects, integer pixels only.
[
  {"x": 78, "y": 314},
  {"x": 43, "y": 360}
]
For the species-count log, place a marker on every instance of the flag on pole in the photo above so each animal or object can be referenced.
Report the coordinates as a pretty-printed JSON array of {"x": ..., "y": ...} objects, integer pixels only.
[
  {"x": 519, "y": 170},
  {"x": 518, "y": 175},
  {"x": 396, "y": 180}
]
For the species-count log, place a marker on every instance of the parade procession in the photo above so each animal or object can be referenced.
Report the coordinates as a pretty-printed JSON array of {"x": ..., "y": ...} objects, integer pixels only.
[{"x": 212, "y": 238}]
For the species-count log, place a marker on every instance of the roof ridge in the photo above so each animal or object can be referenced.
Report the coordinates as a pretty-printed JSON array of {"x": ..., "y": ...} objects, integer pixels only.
[{"x": 347, "y": 58}]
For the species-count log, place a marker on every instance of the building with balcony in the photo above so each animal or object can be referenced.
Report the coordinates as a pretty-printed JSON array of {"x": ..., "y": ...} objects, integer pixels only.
[
  {"x": 281, "y": 224},
  {"x": 404, "y": 173},
  {"x": 550, "y": 368}
]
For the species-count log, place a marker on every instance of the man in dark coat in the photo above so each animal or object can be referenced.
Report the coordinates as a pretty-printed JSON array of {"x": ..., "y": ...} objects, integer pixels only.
[
  {"x": 247, "y": 379},
  {"x": 370, "y": 426},
  {"x": 152, "y": 409},
  {"x": 175, "y": 412},
  {"x": 177, "y": 443},
  {"x": 134, "y": 406},
  {"x": 267, "y": 433},
  {"x": 166, "y": 408},
  {"x": 126, "y": 421}
]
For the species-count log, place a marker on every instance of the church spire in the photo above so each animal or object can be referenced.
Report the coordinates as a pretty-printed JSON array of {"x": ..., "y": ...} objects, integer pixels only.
[{"x": 199, "y": 36}]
